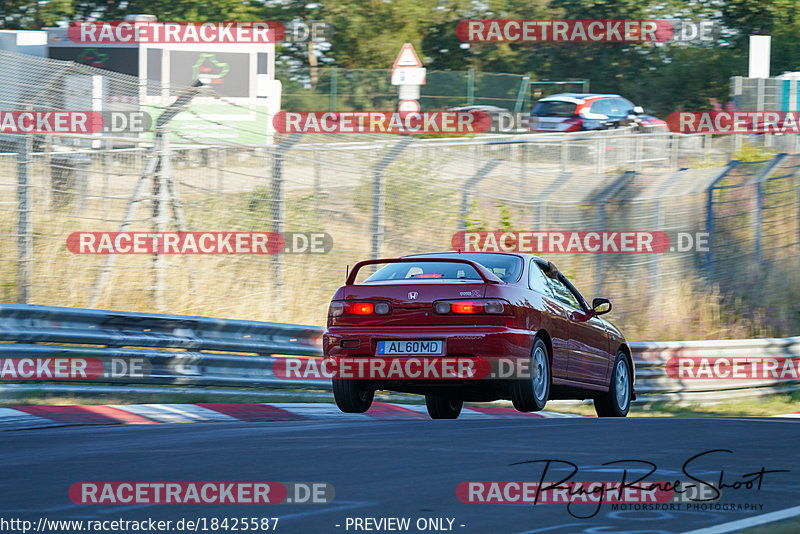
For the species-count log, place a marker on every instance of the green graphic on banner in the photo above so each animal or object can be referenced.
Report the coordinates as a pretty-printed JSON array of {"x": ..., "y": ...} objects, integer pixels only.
[{"x": 209, "y": 123}]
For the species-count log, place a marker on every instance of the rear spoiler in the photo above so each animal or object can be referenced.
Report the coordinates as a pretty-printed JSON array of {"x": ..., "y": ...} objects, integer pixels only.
[{"x": 488, "y": 276}]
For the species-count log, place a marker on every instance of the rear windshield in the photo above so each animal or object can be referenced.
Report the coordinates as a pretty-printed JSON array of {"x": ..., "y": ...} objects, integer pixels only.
[
  {"x": 504, "y": 266},
  {"x": 555, "y": 108}
]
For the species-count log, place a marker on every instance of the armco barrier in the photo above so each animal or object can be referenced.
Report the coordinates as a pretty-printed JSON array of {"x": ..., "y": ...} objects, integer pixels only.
[
  {"x": 654, "y": 384},
  {"x": 242, "y": 350},
  {"x": 192, "y": 351}
]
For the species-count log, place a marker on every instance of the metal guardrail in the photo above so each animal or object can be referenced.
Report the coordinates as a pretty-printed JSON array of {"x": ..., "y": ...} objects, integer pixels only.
[
  {"x": 206, "y": 351},
  {"x": 190, "y": 351},
  {"x": 655, "y": 384}
]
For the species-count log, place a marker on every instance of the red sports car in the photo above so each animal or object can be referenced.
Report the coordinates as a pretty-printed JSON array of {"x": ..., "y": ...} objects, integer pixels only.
[{"x": 482, "y": 310}]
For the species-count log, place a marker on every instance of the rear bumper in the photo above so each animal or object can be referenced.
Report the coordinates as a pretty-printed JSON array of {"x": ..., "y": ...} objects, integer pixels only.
[{"x": 464, "y": 341}]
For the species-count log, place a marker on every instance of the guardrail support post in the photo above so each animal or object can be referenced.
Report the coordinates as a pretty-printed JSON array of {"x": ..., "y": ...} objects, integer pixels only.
[{"x": 24, "y": 229}]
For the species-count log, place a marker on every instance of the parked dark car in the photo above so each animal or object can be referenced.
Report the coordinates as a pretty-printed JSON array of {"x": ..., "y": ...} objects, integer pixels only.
[{"x": 481, "y": 305}]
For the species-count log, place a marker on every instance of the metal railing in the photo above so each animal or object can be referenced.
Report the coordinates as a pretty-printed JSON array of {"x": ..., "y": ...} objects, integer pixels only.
[{"x": 222, "y": 354}]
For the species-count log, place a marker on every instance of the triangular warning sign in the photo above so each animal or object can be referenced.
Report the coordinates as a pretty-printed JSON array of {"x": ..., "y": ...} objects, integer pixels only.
[{"x": 407, "y": 57}]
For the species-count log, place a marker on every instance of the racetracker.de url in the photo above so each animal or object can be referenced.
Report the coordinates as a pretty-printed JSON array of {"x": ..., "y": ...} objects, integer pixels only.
[{"x": 184, "y": 524}]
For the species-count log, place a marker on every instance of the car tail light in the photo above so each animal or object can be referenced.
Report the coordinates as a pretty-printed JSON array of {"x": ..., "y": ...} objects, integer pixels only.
[
  {"x": 344, "y": 307},
  {"x": 474, "y": 306},
  {"x": 573, "y": 124},
  {"x": 467, "y": 306},
  {"x": 360, "y": 308}
]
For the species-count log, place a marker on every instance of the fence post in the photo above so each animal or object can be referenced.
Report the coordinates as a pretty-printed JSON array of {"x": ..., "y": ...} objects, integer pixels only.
[
  {"x": 641, "y": 151},
  {"x": 379, "y": 195},
  {"x": 160, "y": 219},
  {"x": 24, "y": 228},
  {"x": 601, "y": 201},
  {"x": 759, "y": 179},
  {"x": 317, "y": 180},
  {"x": 277, "y": 204},
  {"x": 219, "y": 156},
  {"x": 673, "y": 152},
  {"x": 710, "y": 215},
  {"x": 107, "y": 161},
  {"x": 479, "y": 175},
  {"x": 470, "y": 86},
  {"x": 277, "y": 213},
  {"x": 599, "y": 260},
  {"x": 522, "y": 96},
  {"x": 758, "y": 216},
  {"x": 601, "y": 154},
  {"x": 334, "y": 82},
  {"x": 523, "y": 171}
]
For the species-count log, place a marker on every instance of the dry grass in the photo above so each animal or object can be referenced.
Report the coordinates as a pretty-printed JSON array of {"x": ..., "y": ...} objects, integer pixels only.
[{"x": 420, "y": 216}]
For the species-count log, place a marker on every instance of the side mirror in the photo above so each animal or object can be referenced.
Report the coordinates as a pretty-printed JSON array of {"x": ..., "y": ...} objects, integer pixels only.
[
  {"x": 601, "y": 305},
  {"x": 638, "y": 110}
]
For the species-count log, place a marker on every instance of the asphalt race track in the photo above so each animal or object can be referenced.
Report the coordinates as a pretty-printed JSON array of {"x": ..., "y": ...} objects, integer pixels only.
[{"x": 405, "y": 469}]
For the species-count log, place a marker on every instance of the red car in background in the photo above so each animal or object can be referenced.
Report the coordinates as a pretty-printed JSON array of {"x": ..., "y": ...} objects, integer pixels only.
[
  {"x": 488, "y": 306},
  {"x": 575, "y": 112}
]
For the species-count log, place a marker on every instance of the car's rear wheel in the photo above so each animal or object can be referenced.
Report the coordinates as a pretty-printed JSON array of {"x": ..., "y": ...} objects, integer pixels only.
[
  {"x": 617, "y": 401},
  {"x": 441, "y": 408},
  {"x": 352, "y": 396},
  {"x": 531, "y": 394}
]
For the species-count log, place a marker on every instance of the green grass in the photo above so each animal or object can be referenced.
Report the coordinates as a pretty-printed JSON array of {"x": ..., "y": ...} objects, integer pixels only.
[{"x": 766, "y": 406}]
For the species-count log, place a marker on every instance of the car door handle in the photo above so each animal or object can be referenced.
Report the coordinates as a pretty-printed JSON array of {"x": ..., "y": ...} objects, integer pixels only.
[{"x": 578, "y": 317}]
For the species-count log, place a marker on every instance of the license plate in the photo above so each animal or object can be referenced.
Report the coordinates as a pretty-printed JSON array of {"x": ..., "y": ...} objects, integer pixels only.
[
  {"x": 411, "y": 346},
  {"x": 546, "y": 125}
]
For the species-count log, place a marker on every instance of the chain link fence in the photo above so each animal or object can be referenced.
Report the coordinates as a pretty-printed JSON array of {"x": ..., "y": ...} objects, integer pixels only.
[
  {"x": 331, "y": 88},
  {"x": 396, "y": 195}
]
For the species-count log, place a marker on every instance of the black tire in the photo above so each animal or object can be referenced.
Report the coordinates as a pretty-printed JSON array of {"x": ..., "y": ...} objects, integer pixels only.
[
  {"x": 352, "y": 396},
  {"x": 617, "y": 401},
  {"x": 531, "y": 394},
  {"x": 441, "y": 408}
]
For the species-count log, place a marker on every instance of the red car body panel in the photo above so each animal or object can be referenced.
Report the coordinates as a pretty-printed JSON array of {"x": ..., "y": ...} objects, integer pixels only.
[{"x": 582, "y": 345}]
